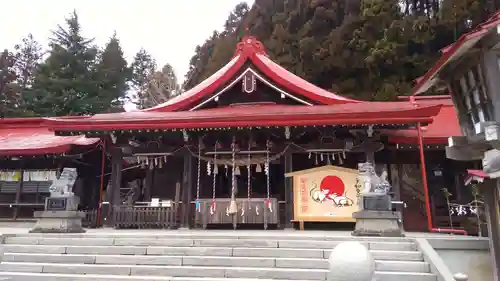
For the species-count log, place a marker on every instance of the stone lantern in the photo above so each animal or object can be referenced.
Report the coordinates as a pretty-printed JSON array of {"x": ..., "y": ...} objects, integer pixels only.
[{"x": 470, "y": 68}]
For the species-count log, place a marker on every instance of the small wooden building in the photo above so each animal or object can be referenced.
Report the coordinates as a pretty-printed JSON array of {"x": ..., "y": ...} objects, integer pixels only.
[
  {"x": 470, "y": 68},
  {"x": 31, "y": 157}
]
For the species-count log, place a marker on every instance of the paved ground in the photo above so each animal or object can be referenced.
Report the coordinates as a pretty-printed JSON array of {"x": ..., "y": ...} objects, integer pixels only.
[{"x": 23, "y": 227}]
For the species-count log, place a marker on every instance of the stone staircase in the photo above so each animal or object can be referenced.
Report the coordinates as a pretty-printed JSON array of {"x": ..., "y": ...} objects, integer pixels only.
[{"x": 196, "y": 257}]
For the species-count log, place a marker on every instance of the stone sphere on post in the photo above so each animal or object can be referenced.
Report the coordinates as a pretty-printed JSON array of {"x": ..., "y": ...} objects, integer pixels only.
[
  {"x": 351, "y": 261},
  {"x": 461, "y": 277}
]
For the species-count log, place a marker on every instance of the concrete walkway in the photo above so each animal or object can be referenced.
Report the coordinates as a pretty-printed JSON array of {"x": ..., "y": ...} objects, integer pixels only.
[{"x": 22, "y": 228}]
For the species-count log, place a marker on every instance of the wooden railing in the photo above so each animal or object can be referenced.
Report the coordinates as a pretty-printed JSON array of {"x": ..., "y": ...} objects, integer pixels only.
[
  {"x": 253, "y": 211},
  {"x": 144, "y": 217},
  {"x": 90, "y": 220}
]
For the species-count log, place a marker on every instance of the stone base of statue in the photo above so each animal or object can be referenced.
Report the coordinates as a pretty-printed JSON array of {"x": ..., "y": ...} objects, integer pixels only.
[
  {"x": 377, "y": 223},
  {"x": 61, "y": 215},
  {"x": 376, "y": 217}
]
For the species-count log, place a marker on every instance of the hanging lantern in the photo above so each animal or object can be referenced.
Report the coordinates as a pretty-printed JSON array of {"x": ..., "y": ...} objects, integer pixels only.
[
  {"x": 216, "y": 169},
  {"x": 237, "y": 171},
  {"x": 209, "y": 169}
]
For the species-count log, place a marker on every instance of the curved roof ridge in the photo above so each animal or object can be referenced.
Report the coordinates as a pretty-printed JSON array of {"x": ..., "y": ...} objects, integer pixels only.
[{"x": 249, "y": 48}]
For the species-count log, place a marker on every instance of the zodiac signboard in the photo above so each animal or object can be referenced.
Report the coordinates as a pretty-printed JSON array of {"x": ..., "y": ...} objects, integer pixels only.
[{"x": 325, "y": 194}]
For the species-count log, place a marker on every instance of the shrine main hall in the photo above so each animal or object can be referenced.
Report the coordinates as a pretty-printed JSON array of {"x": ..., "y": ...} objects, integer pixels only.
[{"x": 231, "y": 150}]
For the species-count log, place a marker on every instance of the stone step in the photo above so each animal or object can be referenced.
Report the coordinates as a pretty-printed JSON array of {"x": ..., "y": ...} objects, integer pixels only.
[
  {"x": 402, "y": 266},
  {"x": 389, "y": 255},
  {"x": 15, "y": 276},
  {"x": 202, "y": 251},
  {"x": 175, "y": 271},
  {"x": 404, "y": 276},
  {"x": 203, "y": 261},
  {"x": 195, "y": 235},
  {"x": 165, "y": 242}
]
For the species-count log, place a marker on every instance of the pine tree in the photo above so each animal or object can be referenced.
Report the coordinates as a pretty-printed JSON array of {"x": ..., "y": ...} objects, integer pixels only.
[
  {"x": 161, "y": 86},
  {"x": 9, "y": 92},
  {"x": 112, "y": 74},
  {"x": 218, "y": 49},
  {"x": 28, "y": 56},
  {"x": 365, "y": 49},
  {"x": 143, "y": 67},
  {"x": 65, "y": 83}
]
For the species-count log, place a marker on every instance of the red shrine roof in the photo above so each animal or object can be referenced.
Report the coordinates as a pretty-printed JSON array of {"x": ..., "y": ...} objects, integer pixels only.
[
  {"x": 29, "y": 136},
  {"x": 254, "y": 116},
  {"x": 250, "y": 50},
  {"x": 445, "y": 124},
  {"x": 320, "y": 106},
  {"x": 455, "y": 51}
]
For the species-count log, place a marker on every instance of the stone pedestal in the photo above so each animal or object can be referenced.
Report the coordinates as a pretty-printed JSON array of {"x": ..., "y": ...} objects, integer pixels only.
[
  {"x": 376, "y": 217},
  {"x": 377, "y": 223},
  {"x": 376, "y": 202},
  {"x": 61, "y": 215}
]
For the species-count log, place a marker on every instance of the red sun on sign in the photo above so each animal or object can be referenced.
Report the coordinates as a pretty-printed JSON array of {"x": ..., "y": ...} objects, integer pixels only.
[{"x": 332, "y": 184}]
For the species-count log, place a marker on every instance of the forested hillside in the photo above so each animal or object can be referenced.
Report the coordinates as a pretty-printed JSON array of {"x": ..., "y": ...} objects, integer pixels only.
[{"x": 366, "y": 49}]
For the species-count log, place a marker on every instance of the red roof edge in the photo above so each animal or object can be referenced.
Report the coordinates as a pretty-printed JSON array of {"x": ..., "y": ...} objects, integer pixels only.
[
  {"x": 477, "y": 176},
  {"x": 250, "y": 49},
  {"x": 21, "y": 122},
  {"x": 32, "y": 136},
  {"x": 450, "y": 50},
  {"x": 435, "y": 97}
]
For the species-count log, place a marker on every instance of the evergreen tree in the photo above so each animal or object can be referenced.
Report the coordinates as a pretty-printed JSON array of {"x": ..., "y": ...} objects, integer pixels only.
[
  {"x": 112, "y": 75},
  {"x": 28, "y": 56},
  {"x": 161, "y": 86},
  {"x": 65, "y": 83},
  {"x": 218, "y": 49},
  {"x": 143, "y": 67},
  {"x": 366, "y": 49},
  {"x": 9, "y": 92}
]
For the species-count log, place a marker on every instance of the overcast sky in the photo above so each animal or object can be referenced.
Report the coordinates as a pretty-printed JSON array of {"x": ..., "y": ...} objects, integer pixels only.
[{"x": 168, "y": 29}]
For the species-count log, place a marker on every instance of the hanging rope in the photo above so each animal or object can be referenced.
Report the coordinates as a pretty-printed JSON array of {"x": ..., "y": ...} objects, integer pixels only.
[
  {"x": 242, "y": 160},
  {"x": 268, "y": 175},
  {"x": 198, "y": 205},
  {"x": 215, "y": 172},
  {"x": 232, "y": 205},
  {"x": 248, "y": 180}
]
